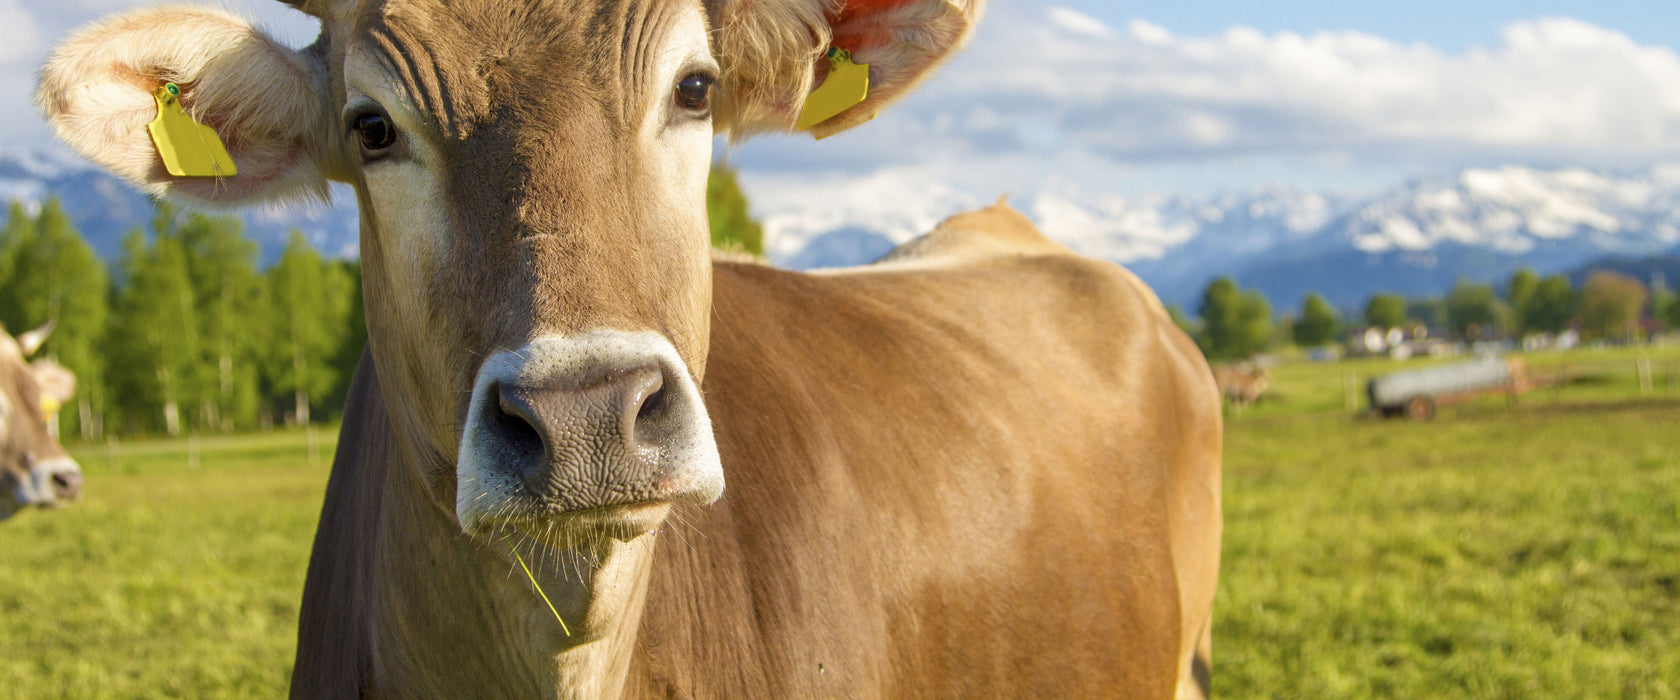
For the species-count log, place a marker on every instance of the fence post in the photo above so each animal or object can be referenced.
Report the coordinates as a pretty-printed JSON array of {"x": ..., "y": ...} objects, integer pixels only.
[
  {"x": 1350, "y": 392},
  {"x": 1645, "y": 384},
  {"x": 192, "y": 450},
  {"x": 111, "y": 461}
]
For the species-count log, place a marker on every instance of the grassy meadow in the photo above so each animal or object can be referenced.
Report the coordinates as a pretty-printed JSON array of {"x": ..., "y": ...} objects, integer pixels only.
[
  {"x": 168, "y": 579},
  {"x": 1492, "y": 552}
]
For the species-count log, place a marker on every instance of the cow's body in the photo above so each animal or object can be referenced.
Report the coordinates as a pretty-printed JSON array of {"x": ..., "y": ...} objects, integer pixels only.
[
  {"x": 1242, "y": 385},
  {"x": 983, "y": 467},
  {"x": 918, "y": 503}
]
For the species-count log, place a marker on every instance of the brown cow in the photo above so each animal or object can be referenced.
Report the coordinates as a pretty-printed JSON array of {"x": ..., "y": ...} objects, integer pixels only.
[
  {"x": 985, "y": 467},
  {"x": 1243, "y": 384},
  {"x": 34, "y": 468}
]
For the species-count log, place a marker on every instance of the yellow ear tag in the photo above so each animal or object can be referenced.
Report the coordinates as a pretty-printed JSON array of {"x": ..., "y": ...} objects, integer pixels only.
[
  {"x": 846, "y": 86},
  {"x": 189, "y": 149},
  {"x": 49, "y": 406}
]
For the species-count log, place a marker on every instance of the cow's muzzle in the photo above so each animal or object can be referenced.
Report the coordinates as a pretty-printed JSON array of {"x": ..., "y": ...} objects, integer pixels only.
[
  {"x": 583, "y": 426},
  {"x": 48, "y": 483}
]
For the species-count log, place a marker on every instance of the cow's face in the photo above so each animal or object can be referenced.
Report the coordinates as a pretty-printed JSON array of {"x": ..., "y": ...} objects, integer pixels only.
[
  {"x": 532, "y": 187},
  {"x": 531, "y": 176},
  {"x": 34, "y": 469}
]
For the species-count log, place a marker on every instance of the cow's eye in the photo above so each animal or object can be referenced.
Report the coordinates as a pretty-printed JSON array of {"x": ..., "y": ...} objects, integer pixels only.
[
  {"x": 375, "y": 130},
  {"x": 694, "y": 92}
]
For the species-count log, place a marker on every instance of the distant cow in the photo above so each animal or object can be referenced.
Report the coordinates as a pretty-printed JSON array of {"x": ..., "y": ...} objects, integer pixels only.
[
  {"x": 1241, "y": 385},
  {"x": 34, "y": 469}
]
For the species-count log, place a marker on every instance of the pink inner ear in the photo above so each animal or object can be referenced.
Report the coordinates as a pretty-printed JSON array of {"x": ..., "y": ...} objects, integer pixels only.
[{"x": 858, "y": 25}]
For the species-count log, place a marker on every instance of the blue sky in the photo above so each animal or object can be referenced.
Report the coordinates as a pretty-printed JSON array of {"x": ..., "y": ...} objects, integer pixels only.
[
  {"x": 1095, "y": 101},
  {"x": 1449, "y": 24}
]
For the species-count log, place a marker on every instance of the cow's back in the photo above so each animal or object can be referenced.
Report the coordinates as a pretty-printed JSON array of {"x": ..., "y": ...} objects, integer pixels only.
[{"x": 994, "y": 478}]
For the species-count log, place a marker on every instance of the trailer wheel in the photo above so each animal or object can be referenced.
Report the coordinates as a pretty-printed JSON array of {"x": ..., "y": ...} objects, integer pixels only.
[{"x": 1420, "y": 408}]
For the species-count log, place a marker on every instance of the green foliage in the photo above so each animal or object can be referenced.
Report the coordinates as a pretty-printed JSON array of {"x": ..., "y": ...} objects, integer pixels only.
[
  {"x": 227, "y": 294},
  {"x": 309, "y": 315},
  {"x": 1385, "y": 311},
  {"x": 1431, "y": 313},
  {"x": 153, "y": 346},
  {"x": 1235, "y": 324},
  {"x": 1670, "y": 311},
  {"x": 1317, "y": 325},
  {"x": 1611, "y": 303},
  {"x": 48, "y": 273},
  {"x": 190, "y": 336},
  {"x": 733, "y": 228},
  {"x": 1553, "y": 306},
  {"x": 1472, "y": 310},
  {"x": 1520, "y": 293}
]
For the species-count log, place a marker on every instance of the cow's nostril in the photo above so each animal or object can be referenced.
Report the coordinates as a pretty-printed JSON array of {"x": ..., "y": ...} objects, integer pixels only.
[
  {"x": 68, "y": 484},
  {"x": 517, "y": 426},
  {"x": 652, "y": 404}
]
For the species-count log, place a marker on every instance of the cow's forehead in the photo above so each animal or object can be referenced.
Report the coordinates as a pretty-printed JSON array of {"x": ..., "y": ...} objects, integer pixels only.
[{"x": 458, "y": 61}]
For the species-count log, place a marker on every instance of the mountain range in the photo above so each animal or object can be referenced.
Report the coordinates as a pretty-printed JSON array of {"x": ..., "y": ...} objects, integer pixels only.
[
  {"x": 104, "y": 208},
  {"x": 1416, "y": 238}
]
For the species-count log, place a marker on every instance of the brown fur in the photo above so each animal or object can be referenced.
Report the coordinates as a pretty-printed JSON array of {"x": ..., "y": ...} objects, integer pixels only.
[
  {"x": 25, "y": 441},
  {"x": 990, "y": 468},
  {"x": 925, "y": 498},
  {"x": 1241, "y": 385}
]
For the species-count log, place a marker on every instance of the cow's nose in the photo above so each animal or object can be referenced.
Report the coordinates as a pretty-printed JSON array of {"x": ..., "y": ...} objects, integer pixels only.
[
  {"x": 609, "y": 428},
  {"x": 592, "y": 422},
  {"x": 67, "y": 484}
]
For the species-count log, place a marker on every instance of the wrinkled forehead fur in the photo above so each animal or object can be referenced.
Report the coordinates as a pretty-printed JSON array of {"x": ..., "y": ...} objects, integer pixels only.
[{"x": 464, "y": 64}]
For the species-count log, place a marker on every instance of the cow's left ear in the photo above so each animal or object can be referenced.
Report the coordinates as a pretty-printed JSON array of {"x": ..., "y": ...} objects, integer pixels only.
[
  {"x": 267, "y": 103},
  {"x": 773, "y": 54},
  {"x": 55, "y": 379}
]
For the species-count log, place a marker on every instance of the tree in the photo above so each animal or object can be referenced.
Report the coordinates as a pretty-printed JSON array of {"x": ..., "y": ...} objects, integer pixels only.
[
  {"x": 227, "y": 293},
  {"x": 1520, "y": 293},
  {"x": 1670, "y": 312},
  {"x": 1235, "y": 324},
  {"x": 153, "y": 343},
  {"x": 1611, "y": 303},
  {"x": 52, "y": 275},
  {"x": 1472, "y": 309},
  {"x": 733, "y": 227},
  {"x": 1552, "y": 307},
  {"x": 1317, "y": 324},
  {"x": 310, "y": 307},
  {"x": 1385, "y": 311}
]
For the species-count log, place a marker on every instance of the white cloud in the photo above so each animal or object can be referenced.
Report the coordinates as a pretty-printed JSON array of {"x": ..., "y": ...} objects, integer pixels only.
[
  {"x": 1045, "y": 100},
  {"x": 19, "y": 36}
]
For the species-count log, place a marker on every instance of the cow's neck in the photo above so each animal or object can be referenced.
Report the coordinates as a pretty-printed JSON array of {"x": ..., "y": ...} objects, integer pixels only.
[{"x": 455, "y": 619}]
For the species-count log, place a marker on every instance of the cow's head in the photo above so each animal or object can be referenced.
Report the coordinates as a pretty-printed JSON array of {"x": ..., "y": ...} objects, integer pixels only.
[
  {"x": 531, "y": 176},
  {"x": 34, "y": 469}
]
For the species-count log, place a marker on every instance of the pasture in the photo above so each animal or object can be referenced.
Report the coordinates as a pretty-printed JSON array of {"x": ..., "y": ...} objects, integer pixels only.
[{"x": 1489, "y": 553}]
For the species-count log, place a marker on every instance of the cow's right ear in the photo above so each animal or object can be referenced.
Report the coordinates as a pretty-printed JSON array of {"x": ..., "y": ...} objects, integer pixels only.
[{"x": 268, "y": 103}]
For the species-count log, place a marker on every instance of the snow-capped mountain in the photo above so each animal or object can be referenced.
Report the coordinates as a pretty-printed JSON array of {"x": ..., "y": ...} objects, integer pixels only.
[
  {"x": 104, "y": 208},
  {"x": 1417, "y": 238}
]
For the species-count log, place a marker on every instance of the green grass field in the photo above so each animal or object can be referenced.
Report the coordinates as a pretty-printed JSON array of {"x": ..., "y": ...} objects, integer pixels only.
[{"x": 1530, "y": 553}]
